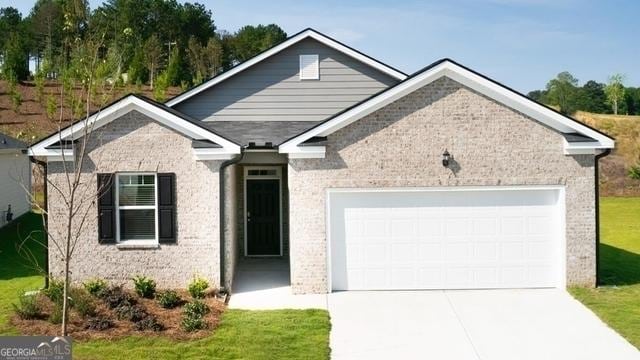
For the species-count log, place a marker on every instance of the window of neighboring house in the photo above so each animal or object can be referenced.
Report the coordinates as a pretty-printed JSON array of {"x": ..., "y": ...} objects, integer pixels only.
[
  {"x": 136, "y": 219},
  {"x": 309, "y": 67}
]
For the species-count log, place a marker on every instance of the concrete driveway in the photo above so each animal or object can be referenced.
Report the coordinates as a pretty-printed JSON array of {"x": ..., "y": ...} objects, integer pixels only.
[{"x": 470, "y": 324}]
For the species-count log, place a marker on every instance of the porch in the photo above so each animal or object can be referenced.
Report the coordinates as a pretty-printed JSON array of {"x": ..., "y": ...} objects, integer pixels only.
[{"x": 264, "y": 284}]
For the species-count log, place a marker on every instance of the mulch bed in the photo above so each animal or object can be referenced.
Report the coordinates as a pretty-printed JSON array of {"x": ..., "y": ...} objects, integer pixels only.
[{"x": 170, "y": 318}]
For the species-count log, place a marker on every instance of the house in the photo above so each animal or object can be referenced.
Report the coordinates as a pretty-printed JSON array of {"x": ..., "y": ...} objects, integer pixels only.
[
  {"x": 15, "y": 178},
  {"x": 360, "y": 176}
]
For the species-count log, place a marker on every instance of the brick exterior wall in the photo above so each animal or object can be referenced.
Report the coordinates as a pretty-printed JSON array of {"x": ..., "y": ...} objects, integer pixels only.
[
  {"x": 401, "y": 144},
  {"x": 134, "y": 142}
]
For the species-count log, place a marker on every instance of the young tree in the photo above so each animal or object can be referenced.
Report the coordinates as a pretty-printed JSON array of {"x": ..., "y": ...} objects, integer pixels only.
[
  {"x": 561, "y": 91},
  {"x": 76, "y": 195},
  {"x": 204, "y": 61},
  {"x": 615, "y": 91},
  {"x": 153, "y": 54}
]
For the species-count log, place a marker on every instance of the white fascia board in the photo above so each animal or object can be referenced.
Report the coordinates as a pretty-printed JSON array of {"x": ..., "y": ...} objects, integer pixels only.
[
  {"x": 121, "y": 108},
  {"x": 465, "y": 77},
  {"x": 278, "y": 48},
  {"x": 582, "y": 148},
  {"x": 67, "y": 153},
  {"x": 202, "y": 154},
  {"x": 306, "y": 152}
]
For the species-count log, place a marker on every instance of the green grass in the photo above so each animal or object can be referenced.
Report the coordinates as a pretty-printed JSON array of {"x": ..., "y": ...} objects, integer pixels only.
[
  {"x": 617, "y": 301},
  {"x": 279, "y": 334},
  {"x": 17, "y": 273},
  {"x": 276, "y": 334}
]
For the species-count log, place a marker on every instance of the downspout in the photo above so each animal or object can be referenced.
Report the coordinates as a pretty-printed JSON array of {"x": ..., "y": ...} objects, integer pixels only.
[
  {"x": 221, "y": 182},
  {"x": 45, "y": 173},
  {"x": 597, "y": 194}
]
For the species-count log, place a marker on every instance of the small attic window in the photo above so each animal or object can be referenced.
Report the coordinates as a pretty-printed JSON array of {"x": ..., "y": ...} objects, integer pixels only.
[{"x": 309, "y": 67}]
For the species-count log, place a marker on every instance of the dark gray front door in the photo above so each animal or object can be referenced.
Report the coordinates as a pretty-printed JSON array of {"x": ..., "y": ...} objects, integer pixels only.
[{"x": 263, "y": 217}]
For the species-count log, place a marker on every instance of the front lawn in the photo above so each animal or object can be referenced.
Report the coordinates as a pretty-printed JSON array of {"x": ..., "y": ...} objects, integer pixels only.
[
  {"x": 281, "y": 334},
  {"x": 617, "y": 301}
]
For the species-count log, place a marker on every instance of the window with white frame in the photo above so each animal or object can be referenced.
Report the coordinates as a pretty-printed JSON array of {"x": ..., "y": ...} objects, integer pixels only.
[
  {"x": 136, "y": 219},
  {"x": 309, "y": 67}
]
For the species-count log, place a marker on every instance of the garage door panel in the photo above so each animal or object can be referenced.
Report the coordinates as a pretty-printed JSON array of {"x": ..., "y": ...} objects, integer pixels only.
[
  {"x": 485, "y": 252},
  {"x": 374, "y": 254},
  {"x": 445, "y": 239},
  {"x": 404, "y": 253},
  {"x": 429, "y": 252}
]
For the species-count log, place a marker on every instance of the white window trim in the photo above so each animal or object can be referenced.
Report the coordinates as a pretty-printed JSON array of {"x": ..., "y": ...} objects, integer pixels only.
[
  {"x": 135, "y": 242},
  {"x": 277, "y": 176},
  {"x": 316, "y": 64}
]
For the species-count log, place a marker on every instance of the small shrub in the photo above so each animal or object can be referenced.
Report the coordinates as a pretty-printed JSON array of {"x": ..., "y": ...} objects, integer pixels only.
[
  {"x": 148, "y": 323},
  {"x": 28, "y": 307},
  {"x": 95, "y": 286},
  {"x": 99, "y": 324},
  {"x": 56, "y": 314},
  {"x": 39, "y": 81},
  {"x": 52, "y": 107},
  {"x": 82, "y": 302},
  {"x": 145, "y": 287},
  {"x": 55, "y": 291},
  {"x": 116, "y": 296},
  {"x": 132, "y": 313},
  {"x": 198, "y": 287},
  {"x": 195, "y": 308},
  {"x": 634, "y": 171},
  {"x": 16, "y": 101},
  {"x": 168, "y": 299},
  {"x": 190, "y": 324}
]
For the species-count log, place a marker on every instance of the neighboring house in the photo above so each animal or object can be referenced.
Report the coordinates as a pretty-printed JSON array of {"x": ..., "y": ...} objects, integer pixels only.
[
  {"x": 15, "y": 178},
  {"x": 359, "y": 175}
]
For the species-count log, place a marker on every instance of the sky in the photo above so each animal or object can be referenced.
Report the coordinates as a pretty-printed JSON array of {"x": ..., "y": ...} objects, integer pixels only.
[{"x": 520, "y": 43}]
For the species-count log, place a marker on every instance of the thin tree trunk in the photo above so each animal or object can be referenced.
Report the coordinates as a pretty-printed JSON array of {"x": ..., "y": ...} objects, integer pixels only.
[
  {"x": 151, "y": 74},
  {"x": 67, "y": 260},
  {"x": 65, "y": 301}
]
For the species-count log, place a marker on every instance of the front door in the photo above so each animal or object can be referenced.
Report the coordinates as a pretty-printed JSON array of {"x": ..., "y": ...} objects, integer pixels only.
[{"x": 263, "y": 217}]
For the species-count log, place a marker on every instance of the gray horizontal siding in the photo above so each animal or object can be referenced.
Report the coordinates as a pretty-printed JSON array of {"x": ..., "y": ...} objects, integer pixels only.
[{"x": 272, "y": 91}]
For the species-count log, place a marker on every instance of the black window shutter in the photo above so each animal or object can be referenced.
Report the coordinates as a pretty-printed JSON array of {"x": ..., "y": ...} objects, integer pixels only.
[
  {"x": 166, "y": 208},
  {"x": 106, "y": 209}
]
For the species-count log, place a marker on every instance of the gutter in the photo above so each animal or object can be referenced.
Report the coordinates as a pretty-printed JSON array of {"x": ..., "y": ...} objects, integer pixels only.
[
  {"x": 597, "y": 194},
  {"x": 45, "y": 173},
  {"x": 221, "y": 185}
]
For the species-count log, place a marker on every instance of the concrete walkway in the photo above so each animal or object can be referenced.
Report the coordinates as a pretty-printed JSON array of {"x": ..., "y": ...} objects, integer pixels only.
[
  {"x": 471, "y": 324},
  {"x": 264, "y": 284}
]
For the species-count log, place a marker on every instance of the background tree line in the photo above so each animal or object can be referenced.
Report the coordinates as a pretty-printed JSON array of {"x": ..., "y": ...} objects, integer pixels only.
[
  {"x": 157, "y": 42},
  {"x": 565, "y": 93}
]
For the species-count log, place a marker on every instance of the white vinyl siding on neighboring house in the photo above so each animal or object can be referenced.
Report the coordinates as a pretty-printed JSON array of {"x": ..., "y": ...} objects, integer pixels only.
[
  {"x": 309, "y": 67},
  {"x": 15, "y": 177},
  {"x": 136, "y": 217}
]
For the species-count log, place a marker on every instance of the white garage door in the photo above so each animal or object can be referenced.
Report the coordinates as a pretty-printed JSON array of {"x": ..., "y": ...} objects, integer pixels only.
[{"x": 446, "y": 239}]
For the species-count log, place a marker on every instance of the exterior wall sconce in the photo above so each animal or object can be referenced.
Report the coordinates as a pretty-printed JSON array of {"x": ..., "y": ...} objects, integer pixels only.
[{"x": 446, "y": 157}]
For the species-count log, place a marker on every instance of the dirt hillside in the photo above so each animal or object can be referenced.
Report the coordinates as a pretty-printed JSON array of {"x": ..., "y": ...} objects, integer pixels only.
[
  {"x": 31, "y": 122},
  {"x": 615, "y": 167}
]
